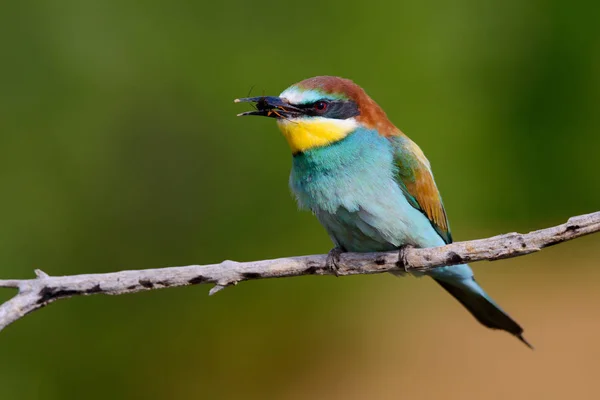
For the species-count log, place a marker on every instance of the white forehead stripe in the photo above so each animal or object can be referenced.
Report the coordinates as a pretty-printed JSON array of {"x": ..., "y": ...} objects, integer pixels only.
[
  {"x": 295, "y": 96},
  {"x": 348, "y": 124}
]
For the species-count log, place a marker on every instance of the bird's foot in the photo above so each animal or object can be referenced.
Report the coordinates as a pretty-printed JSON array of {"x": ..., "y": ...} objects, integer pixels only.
[
  {"x": 333, "y": 259},
  {"x": 402, "y": 261}
]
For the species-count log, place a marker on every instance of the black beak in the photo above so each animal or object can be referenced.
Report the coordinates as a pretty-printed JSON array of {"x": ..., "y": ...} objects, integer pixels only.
[{"x": 270, "y": 106}]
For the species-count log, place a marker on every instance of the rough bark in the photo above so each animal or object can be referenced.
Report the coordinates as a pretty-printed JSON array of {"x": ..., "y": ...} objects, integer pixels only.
[{"x": 44, "y": 289}]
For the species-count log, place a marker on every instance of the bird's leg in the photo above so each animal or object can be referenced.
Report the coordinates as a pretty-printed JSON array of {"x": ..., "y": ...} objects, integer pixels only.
[
  {"x": 333, "y": 258},
  {"x": 402, "y": 262}
]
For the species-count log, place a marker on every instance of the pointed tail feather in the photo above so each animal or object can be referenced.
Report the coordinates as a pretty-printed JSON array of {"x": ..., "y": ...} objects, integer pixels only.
[{"x": 472, "y": 296}]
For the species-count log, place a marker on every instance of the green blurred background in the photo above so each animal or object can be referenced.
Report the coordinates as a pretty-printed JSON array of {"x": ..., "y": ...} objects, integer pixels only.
[{"x": 120, "y": 149}]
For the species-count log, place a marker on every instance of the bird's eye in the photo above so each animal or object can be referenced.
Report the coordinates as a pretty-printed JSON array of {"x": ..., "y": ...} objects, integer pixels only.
[{"x": 321, "y": 106}]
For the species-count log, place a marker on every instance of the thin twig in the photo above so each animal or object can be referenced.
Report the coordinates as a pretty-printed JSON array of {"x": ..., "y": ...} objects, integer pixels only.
[{"x": 44, "y": 289}]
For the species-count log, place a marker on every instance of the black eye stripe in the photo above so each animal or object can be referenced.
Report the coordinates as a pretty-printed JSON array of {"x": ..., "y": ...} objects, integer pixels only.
[{"x": 336, "y": 109}]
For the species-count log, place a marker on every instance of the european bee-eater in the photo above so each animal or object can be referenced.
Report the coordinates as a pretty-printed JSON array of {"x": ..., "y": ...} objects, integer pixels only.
[{"x": 369, "y": 185}]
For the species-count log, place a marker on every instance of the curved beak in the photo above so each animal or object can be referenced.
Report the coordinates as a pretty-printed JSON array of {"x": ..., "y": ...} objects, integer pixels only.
[{"x": 270, "y": 106}]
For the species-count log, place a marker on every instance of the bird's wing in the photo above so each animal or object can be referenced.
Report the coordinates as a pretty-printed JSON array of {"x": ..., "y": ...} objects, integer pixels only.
[{"x": 416, "y": 181}]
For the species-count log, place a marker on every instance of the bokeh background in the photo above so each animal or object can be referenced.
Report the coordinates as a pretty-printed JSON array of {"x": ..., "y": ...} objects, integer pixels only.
[{"x": 120, "y": 149}]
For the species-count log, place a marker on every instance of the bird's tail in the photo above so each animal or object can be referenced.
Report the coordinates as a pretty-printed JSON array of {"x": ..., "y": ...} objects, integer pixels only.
[{"x": 471, "y": 295}]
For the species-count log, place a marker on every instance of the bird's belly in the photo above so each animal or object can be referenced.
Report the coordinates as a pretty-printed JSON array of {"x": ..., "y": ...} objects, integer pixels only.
[{"x": 344, "y": 228}]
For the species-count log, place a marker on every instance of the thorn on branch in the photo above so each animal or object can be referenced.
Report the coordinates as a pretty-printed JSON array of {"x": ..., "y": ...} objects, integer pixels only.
[
  {"x": 215, "y": 289},
  {"x": 41, "y": 274}
]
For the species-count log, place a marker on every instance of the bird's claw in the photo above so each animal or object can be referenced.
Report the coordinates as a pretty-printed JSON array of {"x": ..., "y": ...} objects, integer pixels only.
[
  {"x": 333, "y": 259},
  {"x": 402, "y": 262}
]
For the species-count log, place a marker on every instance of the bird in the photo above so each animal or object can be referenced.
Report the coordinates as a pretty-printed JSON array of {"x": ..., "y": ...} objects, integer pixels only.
[{"x": 368, "y": 184}]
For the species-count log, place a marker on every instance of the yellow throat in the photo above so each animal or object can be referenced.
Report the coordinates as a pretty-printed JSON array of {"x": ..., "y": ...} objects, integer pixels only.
[{"x": 308, "y": 133}]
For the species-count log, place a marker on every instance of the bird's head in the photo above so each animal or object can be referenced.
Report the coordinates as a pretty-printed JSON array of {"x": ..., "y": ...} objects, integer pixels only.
[{"x": 321, "y": 110}]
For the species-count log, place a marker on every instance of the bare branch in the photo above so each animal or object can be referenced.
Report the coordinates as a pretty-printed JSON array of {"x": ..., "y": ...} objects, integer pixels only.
[{"x": 44, "y": 289}]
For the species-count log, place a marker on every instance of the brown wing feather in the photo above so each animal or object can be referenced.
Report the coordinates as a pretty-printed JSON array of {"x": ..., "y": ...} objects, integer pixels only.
[
  {"x": 427, "y": 195},
  {"x": 415, "y": 175}
]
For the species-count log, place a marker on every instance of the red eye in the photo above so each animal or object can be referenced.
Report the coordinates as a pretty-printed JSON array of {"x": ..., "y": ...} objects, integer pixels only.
[{"x": 321, "y": 106}]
